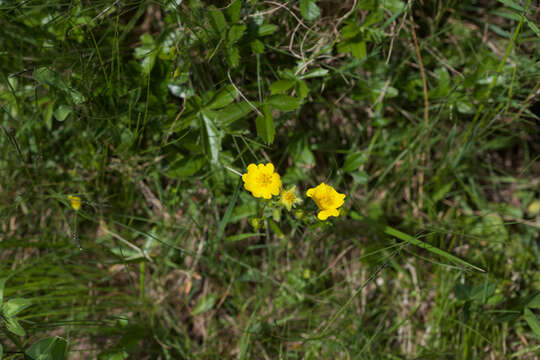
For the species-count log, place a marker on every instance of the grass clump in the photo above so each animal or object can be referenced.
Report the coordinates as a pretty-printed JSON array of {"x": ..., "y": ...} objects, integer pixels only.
[{"x": 126, "y": 231}]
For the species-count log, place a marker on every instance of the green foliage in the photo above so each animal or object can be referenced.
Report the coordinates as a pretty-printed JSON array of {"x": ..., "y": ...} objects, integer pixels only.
[{"x": 149, "y": 111}]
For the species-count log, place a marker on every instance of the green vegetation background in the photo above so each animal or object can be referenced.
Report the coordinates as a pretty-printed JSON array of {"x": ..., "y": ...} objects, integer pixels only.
[{"x": 424, "y": 113}]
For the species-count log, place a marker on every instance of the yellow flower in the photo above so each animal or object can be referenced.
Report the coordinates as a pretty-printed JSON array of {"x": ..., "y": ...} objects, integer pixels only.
[
  {"x": 262, "y": 181},
  {"x": 288, "y": 198},
  {"x": 75, "y": 202},
  {"x": 327, "y": 199}
]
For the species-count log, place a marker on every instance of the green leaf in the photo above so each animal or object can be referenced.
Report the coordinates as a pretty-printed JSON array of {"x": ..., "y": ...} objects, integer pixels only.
[
  {"x": 407, "y": 238},
  {"x": 354, "y": 161},
  {"x": 267, "y": 29},
  {"x": 1, "y": 351},
  {"x": 257, "y": 46},
  {"x": 51, "y": 78},
  {"x": 13, "y": 326},
  {"x": 14, "y": 306},
  {"x": 233, "y": 56},
  {"x": 302, "y": 89},
  {"x": 281, "y": 86},
  {"x": 235, "y": 33},
  {"x": 62, "y": 112},
  {"x": 533, "y": 322},
  {"x": 309, "y": 10},
  {"x": 533, "y": 27},
  {"x": 113, "y": 355},
  {"x": 233, "y": 10},
  {"x": 535, "y": 302},
  {"x": 2, "y": 286},
  {"x": 217, "y": 20},
  {"x": 211, "y": 136},
  {"x": 224, "y": 97},
  {"x": 283, "y": 102},
  {"x": 358, "y": 49},
  {"x": 205, "y": 304},
  {"x": 512, "y": 4},
  {"x": 265, "y": 126},
  {"x": 186, "y": 167},
  {"x": 232, "y": 113},
  {"x": 239, "y": 237},
  {"x": 51, "y": 348},
  {"x": 314, "y": 73}
]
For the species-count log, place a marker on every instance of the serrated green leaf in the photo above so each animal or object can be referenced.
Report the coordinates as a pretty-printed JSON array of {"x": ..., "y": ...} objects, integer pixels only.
[
  {"x": 281, "y": 86},
  {"x": 257, "y": 46},
  {"x": 235, "y": 33},
  {"x": 205, "y": 304},
  {"x": 283, "y": 102},
  {"x": 14, "y": 306},
  {"x": 358, "y": 49},
  {"x": 223, "y": 97},
  {"x": 51, "y": 348},
  {"x": 13, "y": 326},
  {"x": 233, "y": 10},
  {"x": 532, "y": 321},
  {"x": 309, "y": 10},
  {"x": 217, "y": 20},
  {"x": 354, "y": 161},
  {"x": 265, "y": 126},
  {"x": 267, "y": 29}
]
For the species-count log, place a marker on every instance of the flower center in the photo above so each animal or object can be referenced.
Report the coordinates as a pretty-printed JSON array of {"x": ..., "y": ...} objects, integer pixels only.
[
  {"x": 264, "y": 179},
  {"x": 326, "y": 202},
  {"x": 289, "y": 197}
]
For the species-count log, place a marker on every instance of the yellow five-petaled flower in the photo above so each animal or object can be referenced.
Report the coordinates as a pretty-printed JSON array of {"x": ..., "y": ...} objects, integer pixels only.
[
  {"x": 328, "y": 200},
  {"x": 262, "y": 181},
  {"x": 75, "y": 202}
]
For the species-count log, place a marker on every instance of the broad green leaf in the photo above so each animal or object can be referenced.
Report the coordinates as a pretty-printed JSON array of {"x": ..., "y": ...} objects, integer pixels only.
[
  {"x": 233, "y": 10},
  {"x": 223, "y": 97},
  {"x": 186, "y": 167},
  {"x": 532, "y": 321},
  {"x": 62, "y": 112},
  {"x": 302, "y": 89},
  {"x": 281, "y": 86},
  {"x": 235, "y": 33},
  {"x": 354, "y": 161},
  {"x": 358, "y": 49},
  {"x": 13, "y": 326},
  {"x": 283, "y": 102},
  {"x": 482, "y": 292},
  {"x": 314, "y": 73},
  {"x": 206, "y": 303},
  {"x": 411, "y": 240},
  {"x": 267, "y": 29},
  {"x": 51, "y": 348},
  {"x": 14, "y": 306},
  {"x": 2, "y": 286},
  {"x": 265, "y": 126},
  {"x": 535, "y": 302},
  {"x": 309, "y": 10},
  {"x": 232, "y": 113},
  {"x": 217, "y": 20}
]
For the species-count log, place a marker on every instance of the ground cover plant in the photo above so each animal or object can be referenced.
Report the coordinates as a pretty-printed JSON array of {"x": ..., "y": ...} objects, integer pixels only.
[{"x": 244, "y": 179}]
